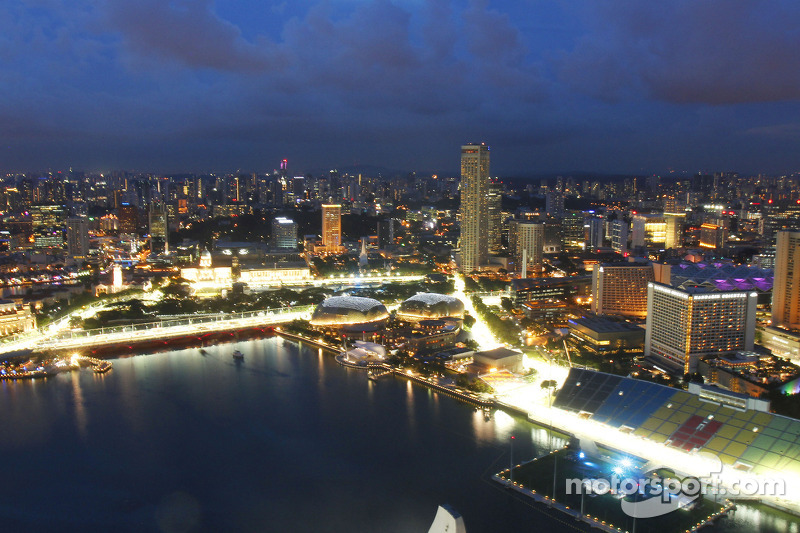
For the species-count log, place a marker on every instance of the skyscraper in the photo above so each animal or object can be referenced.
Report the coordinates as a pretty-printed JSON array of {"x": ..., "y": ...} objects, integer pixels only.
[
  {"x": 284, "y": 234},
  {"x": 786, "y": 289},
  {"x": 621, "y": 289},
  {"x": 159, "y": 231},
  {"x": 474, "y": 206},
  {"x": 684, "y": 326},
  {"x": 529, "y": 243},
  {"x": 78, "y": 237},
  {"x": 332, "y": 227},
  {"x": 495, "y": 206}
]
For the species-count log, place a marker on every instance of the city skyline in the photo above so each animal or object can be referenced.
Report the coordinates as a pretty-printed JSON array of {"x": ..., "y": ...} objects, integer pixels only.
[{"x": 203, "y": 87}]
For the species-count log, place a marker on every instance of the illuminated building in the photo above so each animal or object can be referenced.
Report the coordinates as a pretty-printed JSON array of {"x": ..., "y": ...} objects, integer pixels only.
[
  {"x": 15, "y": 318},
  {"x": 352, "y": 313},
  {"x": 159, "y": 231},
  {"x": 332, "y": 227},
  {"x": 786, "y": 288},
  {"x": 128, "y": 218},
  {"x": 498, "y": 359},
  {"x": 573, "y": 235},
  {"x": 619, "y": 235},
  {"x": 529, "y": 242},
  {"x": 284, "y": 234},
  {"x": 684, "y": 326},
  {"x": 495, "y": 215},
  {"x": 621, "y": 289},
  {"x": 599, "y": 334},
  {"x": 673, "y": 225},
  {"x": 474, "y": 244},
  {"x": 713, "y": 236},
  {"x": 648, "y": 231},
  {"x": 430, "y": 305}
]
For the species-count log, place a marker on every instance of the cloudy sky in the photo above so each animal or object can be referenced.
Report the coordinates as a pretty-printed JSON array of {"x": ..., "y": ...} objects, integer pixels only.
[{"x": 552, "y": 86}]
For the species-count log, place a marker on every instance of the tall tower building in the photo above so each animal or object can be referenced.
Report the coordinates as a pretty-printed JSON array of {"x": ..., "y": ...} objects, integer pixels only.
[
  {"x": 159, "y": 230},
  {"x": 684, "y": 326},
  {"x": 78, "y": 237},
  {"x": 332, "y": 227},
  {"x": 474, "y": 206},
  {"x": 529, "y": 243},
  {"x": 786, "y": 288},
  {"x": 495, "y": 203},
  {"x": 621, "y": 289},
  {"x": 284, "y": 234}
]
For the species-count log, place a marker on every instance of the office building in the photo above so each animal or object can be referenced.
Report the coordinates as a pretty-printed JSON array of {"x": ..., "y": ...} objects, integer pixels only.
[
  {"x": 332, "y": 227},
  {"x": 621, "y": 289},
  {"x": 786, "y": 286},
  {"x": 648, "y": 232},
  {"x": 572, "y": 232},
  {"x": 529, "y": 243},
  {"x": 684, "y": 326},
  {"x": 474, "y": 207},
  {"x": 284, "y": 234},
  {"x": 713, "y": 236},
  {"x": 619, "y": 235},
  {"x": 495, "y": 207},
  {"x": 673, "y": 225},
  {"x": 78, "y": 237},
  {"x": 159, "y": 230},
  {"x": 128, "y": 218}
]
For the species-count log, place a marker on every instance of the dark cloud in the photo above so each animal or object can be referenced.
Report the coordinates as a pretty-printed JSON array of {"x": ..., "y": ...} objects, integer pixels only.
[
  {"x": 189, "y": 32},
  {"x": 685, "y": 51}
]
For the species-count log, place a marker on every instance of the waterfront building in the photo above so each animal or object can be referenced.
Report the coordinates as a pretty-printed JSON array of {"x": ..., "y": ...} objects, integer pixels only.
[
  {"x": 332, "y": 228},
  {"x": 686, "y": 325},
  {"x": 737, "y": 429},
  {"x": 427, "y": 305},
  {"x": 352, "y": 313},
  {"x": 598, "y": 334},
  {"x": 621, "y": 289},
  {"x": 786, "y": 289},
  {"x": 498, "y": 359},
  {"x": 15, "y": 318},
  {"x": 474, "y": 245}
]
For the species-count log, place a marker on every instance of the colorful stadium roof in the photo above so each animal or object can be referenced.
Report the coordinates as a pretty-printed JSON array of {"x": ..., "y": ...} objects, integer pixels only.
[
  {"x": 722, "y": 276},
  {"x": 744, "y": 439}
]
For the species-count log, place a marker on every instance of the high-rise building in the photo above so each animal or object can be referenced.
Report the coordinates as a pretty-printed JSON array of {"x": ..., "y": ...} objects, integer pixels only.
[
  {"x": 128, "y": 218},
  {"x": 284, "y": 234},
  {"x": 621, "y": 289},
  {"x": 573, "y": 233},
  {"x": 495, "y": 206},
  {"x": 159, "y": 230},
  {"x": 554, "y": 203},
  {"x": 713, "y": 236},
  {"x": 684, "y": 326},
  {"x": 332, "y": 227},
  {"x": 78, "y": 237},
  {"x": 593, "y": 232},
  {"x": 619, "y": 235},
  {"x": 474, "y": 206},
  {"x": 786, "y": 288},
  {"x": 673, "y": 224},
  {"x": 648, "y": 232},
  {"x": 529, "y": 243}
]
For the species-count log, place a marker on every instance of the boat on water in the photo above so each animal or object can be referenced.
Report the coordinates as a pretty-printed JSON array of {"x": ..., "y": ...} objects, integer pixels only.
[{"x": 238, "y": 355}]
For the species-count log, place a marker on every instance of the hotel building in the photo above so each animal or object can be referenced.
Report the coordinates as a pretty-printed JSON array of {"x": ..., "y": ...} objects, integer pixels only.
[
  {"x": 686, "y": 325},
  {"x": 474, "y": 207}
]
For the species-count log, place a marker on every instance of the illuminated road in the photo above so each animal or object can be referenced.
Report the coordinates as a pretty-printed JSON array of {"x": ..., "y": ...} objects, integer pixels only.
[{"x": 164, "y": 329}]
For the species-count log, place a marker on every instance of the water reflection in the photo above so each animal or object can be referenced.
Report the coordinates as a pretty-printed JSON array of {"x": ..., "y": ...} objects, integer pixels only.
[{"x": 80, "y": 410}]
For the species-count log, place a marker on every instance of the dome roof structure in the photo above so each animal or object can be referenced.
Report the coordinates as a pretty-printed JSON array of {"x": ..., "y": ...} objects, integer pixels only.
[
  {"x": 431, "y": 305},
  {"x": 347, "y": 311}
]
